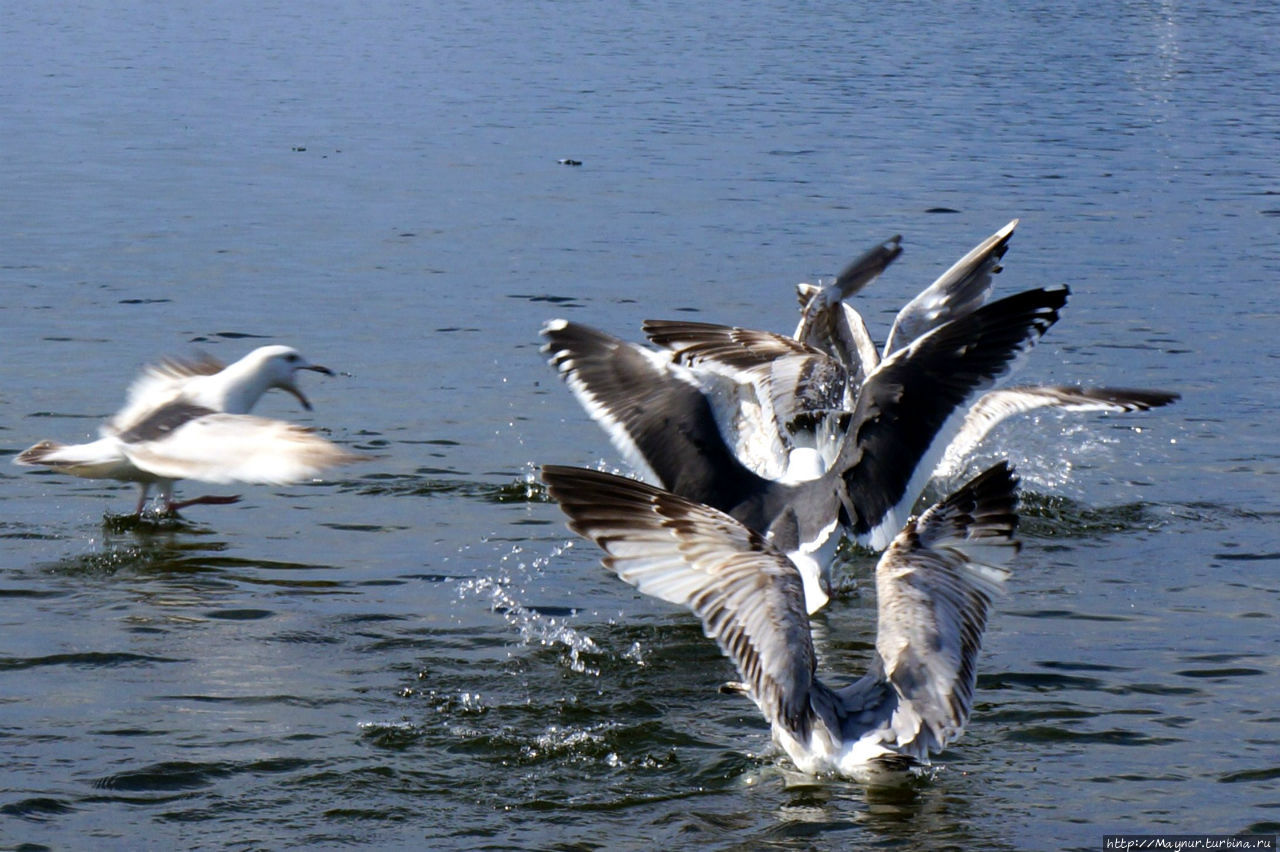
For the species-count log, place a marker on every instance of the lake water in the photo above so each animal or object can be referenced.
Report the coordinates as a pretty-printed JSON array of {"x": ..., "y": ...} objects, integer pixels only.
[{"x": 416, "y": 654}]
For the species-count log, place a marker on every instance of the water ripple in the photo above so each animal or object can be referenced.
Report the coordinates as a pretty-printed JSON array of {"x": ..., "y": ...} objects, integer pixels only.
[
  {"x": 1251, "y": 775},
  {"x": 1054, "y": 516},
  {"x": 525, "y": 490},
  {"x": 37, "y": 809},
  {"x": 170, "y": 776},
  {"x": 1114, "y": 736},
  {"x": 89, "y": 659}
]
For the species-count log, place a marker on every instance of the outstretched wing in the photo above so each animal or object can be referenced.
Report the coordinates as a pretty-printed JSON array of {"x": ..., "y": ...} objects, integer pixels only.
[
  {"x": 748, "y": 595},
  {"x": 911, "y": 407},
  {"x": 999, "y": 405},
  {"x": 958, "y": 291},
  {"x": 818, "y": 305},
  {"x": 157, "y": 385},
  {"x": 791, "y": 382},
  {"x": 934, "y": 587},
  {"x": 656, "y": 415}
]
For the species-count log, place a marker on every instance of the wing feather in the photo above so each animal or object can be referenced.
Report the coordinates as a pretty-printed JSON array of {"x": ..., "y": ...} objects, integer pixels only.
[
  {"x": 958, "y": 291},
  {"x": 655, "y": 414},
  {"x": 748, "y": 595},
  {"x": 997, "y": 406},
  {"x": 911, "y": 407},
  {"x": 158, "y": 384},
  {"x": 934, "y": 587},
  {"x": 225, "y": 448}
]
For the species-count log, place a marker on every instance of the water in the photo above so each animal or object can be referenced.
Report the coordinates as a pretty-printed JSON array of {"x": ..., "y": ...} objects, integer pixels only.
[{"x": 416, "y": 653}]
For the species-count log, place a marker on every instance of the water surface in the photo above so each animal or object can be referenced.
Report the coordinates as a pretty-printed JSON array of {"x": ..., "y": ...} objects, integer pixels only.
[{"x": 416, "y": 652}]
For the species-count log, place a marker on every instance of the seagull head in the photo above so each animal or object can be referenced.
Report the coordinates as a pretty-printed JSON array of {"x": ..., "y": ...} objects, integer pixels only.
[{"x": 278, "y": 366}]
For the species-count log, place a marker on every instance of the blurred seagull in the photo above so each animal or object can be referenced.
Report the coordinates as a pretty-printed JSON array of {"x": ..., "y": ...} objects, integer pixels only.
[
  {"x": 190, "y": 420},
  {"x": 934, "y": 586}
]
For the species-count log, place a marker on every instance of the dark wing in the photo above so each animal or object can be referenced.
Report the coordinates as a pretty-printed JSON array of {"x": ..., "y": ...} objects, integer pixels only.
[
  {"x": 654, "y": 414},
  {"x": 722, "y": 347},
  {"x": 914, "y": 403}
]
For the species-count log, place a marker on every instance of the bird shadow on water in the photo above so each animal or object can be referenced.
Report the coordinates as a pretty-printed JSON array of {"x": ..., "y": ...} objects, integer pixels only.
[{"x": 168, "y": 546}]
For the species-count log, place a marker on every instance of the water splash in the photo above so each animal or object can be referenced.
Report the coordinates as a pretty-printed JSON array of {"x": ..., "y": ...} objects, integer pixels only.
[
  {"x": 1047, "y": 453},
  {"x": 534, "y": 627}
]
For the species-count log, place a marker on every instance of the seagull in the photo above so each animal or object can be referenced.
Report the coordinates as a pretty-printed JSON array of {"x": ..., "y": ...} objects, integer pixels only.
[
  {"x": 190, "y": 420},
  {"x": 829, "y": 324},
  {"x": 934, "y": 587},
  {"x": 782, "y": 405},
  {"x": 906, "y": 413}
]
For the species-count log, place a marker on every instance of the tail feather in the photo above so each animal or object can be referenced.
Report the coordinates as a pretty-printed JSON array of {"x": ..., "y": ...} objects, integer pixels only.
[
  {"x": 99, "y": 459},
  {"x": 39, "y": 454}
]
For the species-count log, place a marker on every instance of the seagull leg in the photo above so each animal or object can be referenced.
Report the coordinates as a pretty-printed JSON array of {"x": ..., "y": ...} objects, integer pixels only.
[
  {"x": 207, "y": 500},
  {"x": 143, "y": 489},
  {"x": 172, "y": 506}
]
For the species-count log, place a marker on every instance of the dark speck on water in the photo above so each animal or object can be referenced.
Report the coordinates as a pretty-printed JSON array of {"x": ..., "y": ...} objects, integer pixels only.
[{"x": 417, "y": 653}]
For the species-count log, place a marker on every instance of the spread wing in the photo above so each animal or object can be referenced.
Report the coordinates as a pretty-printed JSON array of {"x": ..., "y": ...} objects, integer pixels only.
[
  {"x": 793, "y": 384},
  {"x": 958, "y": 291},
  {"x": 747, "y": 594},
  {"x": 818, "y": 305},
  {"x": 934, "y": 587},
  {"x": 911, "y": 407},
  {"x": 653, "y": 411},
  {"x": 999, "y": 405},
  {"x": 157, "y": 385}
]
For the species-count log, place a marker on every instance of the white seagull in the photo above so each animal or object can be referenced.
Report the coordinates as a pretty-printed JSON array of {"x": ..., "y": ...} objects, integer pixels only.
[
  {"x": 905, "y": 414},
  {"x": 190, "y": 420},
  {"x": 934, "y": 586}
]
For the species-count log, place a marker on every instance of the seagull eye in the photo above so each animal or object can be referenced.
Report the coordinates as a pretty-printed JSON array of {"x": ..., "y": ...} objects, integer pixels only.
[{"x": 291, "y": 358}]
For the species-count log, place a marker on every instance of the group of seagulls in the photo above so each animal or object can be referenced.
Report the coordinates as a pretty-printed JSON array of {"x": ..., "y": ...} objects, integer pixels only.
[{"x": 760, "y": 450}]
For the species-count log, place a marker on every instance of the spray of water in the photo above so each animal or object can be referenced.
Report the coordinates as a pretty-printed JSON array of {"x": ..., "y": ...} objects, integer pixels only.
[{"x": 505, "y": 594}]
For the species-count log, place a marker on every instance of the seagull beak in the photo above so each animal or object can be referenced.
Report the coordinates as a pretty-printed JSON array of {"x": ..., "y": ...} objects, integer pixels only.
[
  {"x": 293, "y": 389},
  {"x": 297, "y": 392}
]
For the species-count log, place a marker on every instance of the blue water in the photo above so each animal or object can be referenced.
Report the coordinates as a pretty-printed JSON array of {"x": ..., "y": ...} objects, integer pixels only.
[{"x": 416, "y": 653}]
